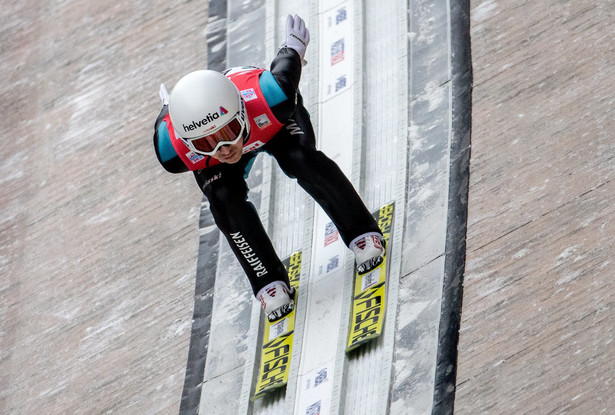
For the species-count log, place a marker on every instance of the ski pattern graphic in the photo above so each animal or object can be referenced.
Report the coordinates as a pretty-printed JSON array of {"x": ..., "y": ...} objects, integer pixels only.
[
  {"x": 278, "y": 339},
  {"x": 369, "y": 295}
]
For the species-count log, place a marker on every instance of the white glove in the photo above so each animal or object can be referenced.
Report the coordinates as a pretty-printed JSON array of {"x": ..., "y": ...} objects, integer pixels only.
[
  {"x": 297, "y": 35},
  {"x": 164, "y": 95}
]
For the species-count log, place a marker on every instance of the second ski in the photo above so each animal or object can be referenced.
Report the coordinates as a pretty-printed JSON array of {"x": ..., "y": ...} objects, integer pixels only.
[{"x": 369, "y": 291}]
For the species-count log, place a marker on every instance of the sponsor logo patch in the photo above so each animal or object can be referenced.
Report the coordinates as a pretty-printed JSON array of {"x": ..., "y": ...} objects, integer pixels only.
[
  {"x": 293, "y": 128},
  {"x": 248, "y": 254},
  {"x": 211, "y": 179},
  {"x": 262, "y": 121},
  {"x": 248, "y": 94},
  {"x": 337, "y": 51},
  {"x": 193, "y": 157},
  {"x": 331, "y": 234},
  {"x": 251, "y": 147}
]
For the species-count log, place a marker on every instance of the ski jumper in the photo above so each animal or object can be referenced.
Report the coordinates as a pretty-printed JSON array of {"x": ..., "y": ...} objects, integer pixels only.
[{"x": 280, "y": 126}]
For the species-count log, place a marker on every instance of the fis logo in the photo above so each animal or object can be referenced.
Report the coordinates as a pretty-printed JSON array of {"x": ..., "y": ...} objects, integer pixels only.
[{"x": 209, "y": 118}]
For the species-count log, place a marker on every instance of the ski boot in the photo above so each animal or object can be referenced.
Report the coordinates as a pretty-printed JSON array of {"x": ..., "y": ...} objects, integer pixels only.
[
  {"x": 369, "y": 251},
  {"x": 277, "y": 300}
]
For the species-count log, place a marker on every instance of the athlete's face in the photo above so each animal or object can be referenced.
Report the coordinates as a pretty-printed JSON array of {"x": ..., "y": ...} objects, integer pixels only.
[{"x": 229, "y": 154}]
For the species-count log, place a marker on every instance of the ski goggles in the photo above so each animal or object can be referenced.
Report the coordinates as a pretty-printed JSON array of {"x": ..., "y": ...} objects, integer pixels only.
[{"x": 209, "y": 144}]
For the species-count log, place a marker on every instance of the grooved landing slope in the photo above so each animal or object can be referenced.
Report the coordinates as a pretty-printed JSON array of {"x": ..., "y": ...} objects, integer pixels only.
[{"x": 379, "y": 87}]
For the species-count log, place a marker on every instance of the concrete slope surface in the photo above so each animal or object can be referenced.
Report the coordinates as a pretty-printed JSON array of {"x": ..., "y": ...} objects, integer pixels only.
[
  {"x": 98, "y": 245},
  {"x": 537, "y": 330}
]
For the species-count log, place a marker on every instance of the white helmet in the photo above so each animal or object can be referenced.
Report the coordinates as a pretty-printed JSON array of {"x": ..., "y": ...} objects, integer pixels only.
[{"x": 207, "y": 111}]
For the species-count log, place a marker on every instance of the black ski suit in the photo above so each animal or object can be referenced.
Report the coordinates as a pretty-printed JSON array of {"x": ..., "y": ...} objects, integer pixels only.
[{"x": 294, "y": 148}]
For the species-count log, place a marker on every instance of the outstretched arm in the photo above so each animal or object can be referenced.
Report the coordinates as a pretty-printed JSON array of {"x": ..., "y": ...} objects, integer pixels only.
[{"x": 286, "y": 67}]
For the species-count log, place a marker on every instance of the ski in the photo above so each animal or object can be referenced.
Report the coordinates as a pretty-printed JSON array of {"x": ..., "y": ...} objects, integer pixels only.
[
  {"x": 278, "y": 336},
  {"x": 369, "y": 293}
]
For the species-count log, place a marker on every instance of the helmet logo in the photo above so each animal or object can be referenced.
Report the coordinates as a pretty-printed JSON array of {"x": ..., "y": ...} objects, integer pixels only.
[{"x": 202, "y": 123}]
